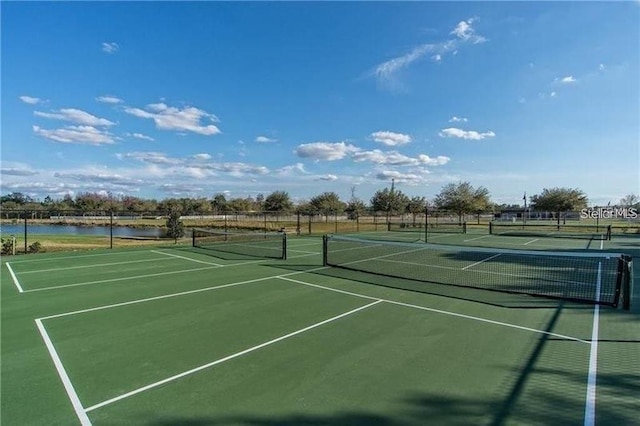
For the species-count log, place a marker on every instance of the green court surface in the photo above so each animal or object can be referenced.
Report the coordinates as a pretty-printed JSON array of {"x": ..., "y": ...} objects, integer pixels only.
[{"x": 187, "y": 336}]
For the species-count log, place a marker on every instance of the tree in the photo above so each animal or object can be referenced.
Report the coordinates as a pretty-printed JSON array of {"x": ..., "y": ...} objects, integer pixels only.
[
  {"x": 278, "y": 201},
  {"x": 416, "y": 206},
  {"x": 175, "y": 227},
  {"x": 630, "y": 200},
  {"x": 219, "y": 203},
  {"x": 390, "y": 201},
  {"x": 462, "y": 198},
  {"x": 17, "y": 197},
  {"x": 559, "y": 200},
  {"x": 355, "y": 206},
  {"x": 327, "y": 203}
]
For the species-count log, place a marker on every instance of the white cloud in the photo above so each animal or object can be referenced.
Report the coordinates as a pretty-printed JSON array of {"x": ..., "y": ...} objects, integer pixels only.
[
  {"x": 264, "y": 139},
  {"x": 292, "y": 170},
  {"x": 553, "y": 94},
  {"x": 202, "y": 157},
  {"x": 453, "y": 132},
  {"x": 30, "y": 100},
  {"x": 328, "y": 177},
  {"x": 151, "y": 157},
  {"x": 139, "y": 136},
  {"x": 172, "y": 118},
  {"x": 10, "y": 171},
  {"x": 399, "y": 177},
  {"x": 109, "y": 99},
  {"x": 88, "y": 135},
  {"x": 179, "y": 189},
  {"x": 464, "y": 33},
  {"x": 567, "y": 80},
  {"x": 75, "y": 116},
  {"x": 325, "y": 150},
  {"x": 198, "y": 168},
  {"x": 455, "y": 119},
  {"x": 394, "y": 158},
  {"x": 110, "y": 47},
  {"x": 112, "y": 179},
  {"x": 390, "y": 138}
]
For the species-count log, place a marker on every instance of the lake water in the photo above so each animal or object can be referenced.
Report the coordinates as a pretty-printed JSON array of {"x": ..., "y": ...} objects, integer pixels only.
[{"x": 118, "y": 231}]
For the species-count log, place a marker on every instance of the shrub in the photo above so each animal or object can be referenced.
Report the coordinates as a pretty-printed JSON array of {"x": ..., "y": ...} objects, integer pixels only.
[{"x": 35, "y": 247}]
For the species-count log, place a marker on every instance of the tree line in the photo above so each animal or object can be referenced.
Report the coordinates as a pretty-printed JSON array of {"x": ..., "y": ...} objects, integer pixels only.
[{"x": 459, "y": 198}]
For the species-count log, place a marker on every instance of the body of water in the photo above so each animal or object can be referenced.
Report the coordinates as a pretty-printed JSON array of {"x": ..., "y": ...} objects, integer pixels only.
[{"x": 118, "y": 231}]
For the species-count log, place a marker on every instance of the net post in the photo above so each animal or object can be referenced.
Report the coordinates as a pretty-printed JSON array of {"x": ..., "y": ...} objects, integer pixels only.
[
  {"x": 284, "y": 246},
  {"x": 388, "y": 226},
  {"x": 193, "y": 237},
  {"x": 325, "y": 241},
  {"x": 464, "y": 227},
  {"x": 608, "y": 236},
  {"x": 626, "y": 265},
  {"x": 490, "y": 228}
]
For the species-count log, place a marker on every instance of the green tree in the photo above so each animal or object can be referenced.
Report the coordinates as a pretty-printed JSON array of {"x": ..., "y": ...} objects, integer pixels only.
[
  {"x": 559, "y": 200},
  {"x": 355, "y": 207},
  {"x": 175, "y": 227},
  {"x": 390, "y": 201},
  {"x": 16, "y": 197},
  {"x": 462, "y": 198},
  {"x": 278, "y": 201},
  {"x": 219, "y": 203},
  {"x": 416, "y": 206},
  {"x": 327, "y": 203}
]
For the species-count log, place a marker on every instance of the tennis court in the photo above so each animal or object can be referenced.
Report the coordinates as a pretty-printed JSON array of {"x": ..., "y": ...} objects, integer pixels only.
[{"x": 201, "y": 336}]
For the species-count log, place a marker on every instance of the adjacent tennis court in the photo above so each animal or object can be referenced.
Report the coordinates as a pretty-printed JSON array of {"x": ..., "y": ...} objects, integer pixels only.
[{"x": 229, "y": 332}]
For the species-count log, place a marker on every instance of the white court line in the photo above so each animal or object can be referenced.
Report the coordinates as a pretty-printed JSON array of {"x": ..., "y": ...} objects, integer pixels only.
[
  {"x": 71, "y": 392},
  {"x": 89, "y": 266},
  {"x": 53, "y": 259},
  {"x": 227, "y": 358},
  {"x": 133, "y": 277},
  {"x": 532, "y": 241},
  {"x": 304, "y": 251},
  {"x": 185, "y": 258},
  {"x": 14, "y": 278},
  {"x": 476, "y": 238},
  {"x": 481, "y": 261},
  {"x": 590, "y": 403},
  {"x": 151, "y": 275},
  {"x": 183, "y": 293},
  {"x": 439, "y": 311}
]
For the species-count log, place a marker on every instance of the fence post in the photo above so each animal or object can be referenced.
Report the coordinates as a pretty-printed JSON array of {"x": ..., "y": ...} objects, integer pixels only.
[
  {"x": 25, "y": 231},
  {"x": 111, "y": 229}
]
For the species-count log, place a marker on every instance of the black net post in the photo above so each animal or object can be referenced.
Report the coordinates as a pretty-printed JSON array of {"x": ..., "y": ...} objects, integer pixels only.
[
  {"x": 625, "y": 277},
  {"x": 426, "y": 223},
  {"x": 464, "y": 227},
  {"x": 325, "y": 240},
  {"x": 298, "y": 223},
  {"x": 490, "y": 227},
  {"x": 284, "y": 246},
  {"x": 608, "y": 236}
]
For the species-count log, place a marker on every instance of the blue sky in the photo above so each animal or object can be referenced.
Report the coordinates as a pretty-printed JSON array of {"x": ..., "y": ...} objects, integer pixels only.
[{"x": 161, "y": 100}]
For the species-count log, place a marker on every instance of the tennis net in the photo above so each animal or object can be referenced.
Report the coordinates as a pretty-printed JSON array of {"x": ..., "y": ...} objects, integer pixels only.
[
  {"x": 590, "y": 232},
  {"x": 597, "y": 278},
  {"x": 255, "y": 244},
  {"x": 435, "y": 228}
]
